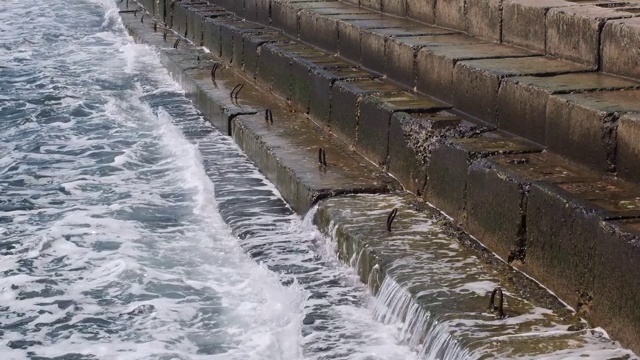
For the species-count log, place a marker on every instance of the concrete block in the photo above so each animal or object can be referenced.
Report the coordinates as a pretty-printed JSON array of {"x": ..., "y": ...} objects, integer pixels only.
[
  {"x": 588, "y": 262},
  {"x": 573, "y": 32},
  {"x": 213, "y": 99},
  {"x": 394, "y": 7},
  {"x": 373, "y": 43},
  {"x": 322, "y": 81},
  {"x": 148, "y": 5},
  {"x": 435, "y": 62},
  {"x": 620, "y": 44},
  {"x": 423, "y": 11},
  {"x": 325, "y": 33},
  {"x": 484, "y": 18},
  {"x": 375, "y": 5},
  {"x": 375, "y": 117},
  {"x": 292, "y": 164},
  {"x": 349, "y": 34},
  {"x": 320, "y": 26},
  {"x": 479, "y": 96},
  {"x": 401, "y": 55},
  {"x": 345, "y": 104},
  {"x": 560, "y": 240},
  {"x": 212, "y": 36},
  {"x": 522, "y": 100},
  {"x": 246, "y": 58},
  {"x": 284, "y": 16},
  {"x": 372, "y": 47},
  {"x": 451, "y": 158},
  {"x": 178, "y": 18},
  {"x": 274, "y": 67},
  {"x": 263, "y": 12},
  {"x": 193, "y": 18},
  {"x": 495, "y": 210},
  {"x": 582, "y": 127},
  {"x": 451, "y": 14},
  {"x": 628, "y": 147},
  {"x": 236, "y": 7},
  {"x": 199, "y": 22},
  {"x": 301, "y": 69},
  {"x": 231, "y": 35},
  {"x": 405, "y": 163},
  {"x": 251, "y": 10},
  {"x": 614, "y": 306},
  {"x": 410, "y": 136},
  {"x": 252, "y": 46},
  {"x": 524, "y": 22},
  {"x": 496, "y": 197}
]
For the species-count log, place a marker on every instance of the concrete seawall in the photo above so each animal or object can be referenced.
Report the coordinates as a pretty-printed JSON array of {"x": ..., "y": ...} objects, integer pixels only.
[{"x": 521, "y": 201}]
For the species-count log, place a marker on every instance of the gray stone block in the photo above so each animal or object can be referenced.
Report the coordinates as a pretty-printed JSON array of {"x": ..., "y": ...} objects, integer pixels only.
[
  {"x": 423, "y": 11},
  {"x": 435, "y": 62},
  {"x": 345, "y": 104},
  {"x": 479, "y": 96},
  {"x": 394, "y": 7},
  {"x": 524, "y": 22},
  {"x": 451, "y": 14},
  {"x": 251, "y": 48},
  {"x": 375, "y": 117},
  {"x": 484, "y": 18},
  {"x": 450, "y": 160},
  {"x": 582, "y": 127},
  {"x": 628, "y": 147},
  {"x": 573, "y": 32},
  {"x": 522, "y": 101},
  {"x": 620, "y": 44},
  {"x": 322, "y": 81}
]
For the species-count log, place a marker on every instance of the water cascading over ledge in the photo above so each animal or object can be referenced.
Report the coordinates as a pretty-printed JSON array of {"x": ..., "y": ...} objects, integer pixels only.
[{"x": 436, "y": 291}]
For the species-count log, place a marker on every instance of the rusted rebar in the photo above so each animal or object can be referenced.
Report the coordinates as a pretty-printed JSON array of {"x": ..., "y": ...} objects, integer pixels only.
[
  {"x": 500, "y": 307},
  {"x": 390, "y": 218}
]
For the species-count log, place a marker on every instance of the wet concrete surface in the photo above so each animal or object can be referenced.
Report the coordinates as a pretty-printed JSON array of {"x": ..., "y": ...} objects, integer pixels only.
[{"x": 198, "y": 74}]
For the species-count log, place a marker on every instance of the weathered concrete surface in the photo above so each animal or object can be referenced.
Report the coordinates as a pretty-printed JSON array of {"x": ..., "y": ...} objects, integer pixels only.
[
  {"x": 412, "y": 137},
  {"x": 484, "y": 19},
  {"x": 432, "y": 265},
  {"x": 583, "y": 126},
  {"x": 551, "y": 218},
  {"x": 628, "y": 147},
  {"x": 287, "y": 153},
  {"x": 524, "y": 22},
  {"x": 321, "y": 83},
  {"x": 479, "y": 96},
  {"x": 570, "y": 248},
  {"x": 389, "y": 51},
  {"x": 620, "y": 44},
  {"x": 450, "y": 14},
  {"x": 435, "y": 63},
  {"x": 448, "y": 168},
  {"x": 522, "y": 100},
  {"x": 584, "y": 24},
  {"x": 422, "y": 10},
  {"x": 346, "y": 97},
  {"x": 372, "y": 135}
]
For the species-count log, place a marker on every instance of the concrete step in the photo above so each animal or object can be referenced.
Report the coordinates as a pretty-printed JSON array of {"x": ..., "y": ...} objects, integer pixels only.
[
  {"x": 505, "y": 86},
  {"x": 589, "y": 32},
  {"x": 441, "y": 154}
]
